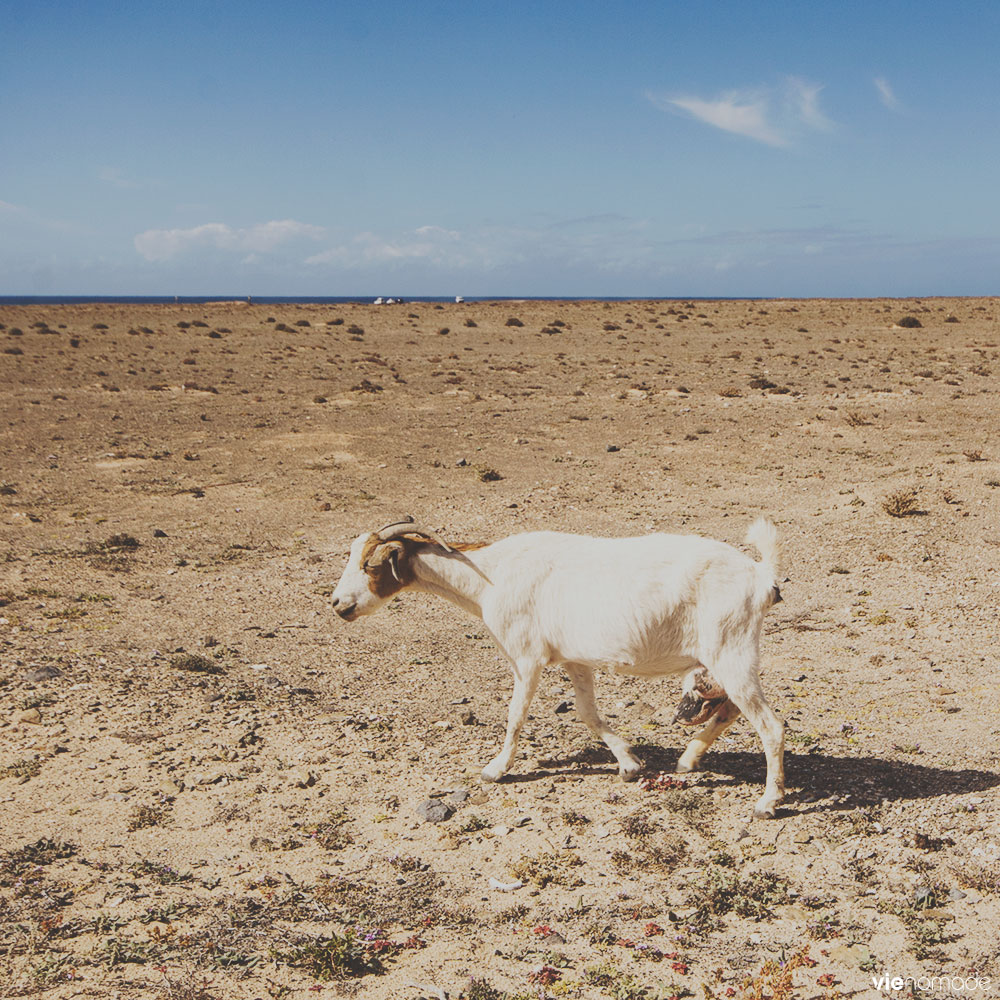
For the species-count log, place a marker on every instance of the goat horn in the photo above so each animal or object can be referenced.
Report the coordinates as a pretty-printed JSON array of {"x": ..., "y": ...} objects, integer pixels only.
[{"x": 409, "y": 527}]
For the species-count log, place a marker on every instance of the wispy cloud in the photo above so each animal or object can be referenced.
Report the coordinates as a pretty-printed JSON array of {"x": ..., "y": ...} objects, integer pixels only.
[
  {"x": 116, "y": 177},
  {"x": 742, "y": 112},
  {"x": 427, "y": 244},
  {"x": 265, "y": 237},
  {"x": 773, "y": 116},
  {"x": 803, "y": 99},
  {"x": 886, "y": 94}
]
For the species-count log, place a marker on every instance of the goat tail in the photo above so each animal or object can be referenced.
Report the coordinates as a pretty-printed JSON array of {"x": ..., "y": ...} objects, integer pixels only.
[{"x": 763, "y": 535}]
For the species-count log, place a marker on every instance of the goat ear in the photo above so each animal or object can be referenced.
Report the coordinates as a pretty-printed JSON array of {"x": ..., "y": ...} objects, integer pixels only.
[
  {"x": 388, "y": 552},
  {"x": 394, "y": 565}
]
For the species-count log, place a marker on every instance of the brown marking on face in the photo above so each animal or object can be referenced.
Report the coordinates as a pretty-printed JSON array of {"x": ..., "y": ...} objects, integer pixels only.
[{"x": 376, "y": 559}]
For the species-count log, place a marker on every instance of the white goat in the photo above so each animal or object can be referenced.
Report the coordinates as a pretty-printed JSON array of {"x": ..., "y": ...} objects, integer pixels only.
[{"x": 648, "y": 606}]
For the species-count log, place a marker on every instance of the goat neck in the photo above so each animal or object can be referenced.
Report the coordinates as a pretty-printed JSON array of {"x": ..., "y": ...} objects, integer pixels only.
[{"x": 452, "y": 575}]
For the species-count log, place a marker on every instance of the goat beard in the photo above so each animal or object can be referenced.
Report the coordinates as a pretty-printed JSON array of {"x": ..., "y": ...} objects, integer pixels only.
[{"x": 702, "y": 698}]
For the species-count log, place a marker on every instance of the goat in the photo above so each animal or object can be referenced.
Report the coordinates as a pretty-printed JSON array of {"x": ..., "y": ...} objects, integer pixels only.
[{"x": 647, "y": 606}]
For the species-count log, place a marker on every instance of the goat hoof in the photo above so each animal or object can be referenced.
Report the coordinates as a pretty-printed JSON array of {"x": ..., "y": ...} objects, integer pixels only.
[
  {"x": 630, "y": 773},
  {"x": 765, "y": 811},
  {"x": 490, "y": 775},
  {"x": 683, "y": 768}
]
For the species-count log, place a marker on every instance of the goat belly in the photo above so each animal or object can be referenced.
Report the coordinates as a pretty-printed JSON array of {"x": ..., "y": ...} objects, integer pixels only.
[{"x": 659, "y": 667}]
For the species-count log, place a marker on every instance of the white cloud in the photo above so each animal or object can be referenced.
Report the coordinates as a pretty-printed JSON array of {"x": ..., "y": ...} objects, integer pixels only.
[
  {"x": 773, "y": 116},
  {"x": 164, "y": 244},
  {"x": 431, "y": 244},
  {"x": 886, "y": 94},
  {"x": 804, "y": 100},
  {"x": 437, "y": 231},
  {"x": 742, "y": 112}
]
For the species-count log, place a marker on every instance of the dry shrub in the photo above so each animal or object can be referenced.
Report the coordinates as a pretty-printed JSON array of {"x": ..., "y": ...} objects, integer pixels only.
[
  {"x": 855, "y": 418},
  {"x": 902, "y": 503},
  {"x": 910, "y": 322}
]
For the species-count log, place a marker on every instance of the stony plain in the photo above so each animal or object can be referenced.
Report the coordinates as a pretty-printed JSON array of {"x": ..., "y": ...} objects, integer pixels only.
[{"x": 210, "y": 787}]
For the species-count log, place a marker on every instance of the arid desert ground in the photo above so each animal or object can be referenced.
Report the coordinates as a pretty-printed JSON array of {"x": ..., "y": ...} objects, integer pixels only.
[{"x": 212, "y": 787}]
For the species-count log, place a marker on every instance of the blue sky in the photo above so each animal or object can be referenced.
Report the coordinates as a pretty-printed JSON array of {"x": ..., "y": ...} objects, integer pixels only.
[{"x": 505, "y": 148}]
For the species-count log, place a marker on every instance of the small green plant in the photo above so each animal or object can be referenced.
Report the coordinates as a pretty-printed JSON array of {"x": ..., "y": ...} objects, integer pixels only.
[
  {"x": 334, "y": 957},
  {"x": 161, "y": 873},
  {"x": 575, "y": 819},
  {"x": 120, "y": 951},
  {"x": 547, "y": 867},
  {"x": 42, "y": 852},
  {"x": 147, "y": 815},
  {"x": 638, "y": 825},
  {"x": 473, "y": 824},
  {"x": 482, "y": 989},
  {"x": 720, "y": 892},
  {"x": 329, "y": 832}
]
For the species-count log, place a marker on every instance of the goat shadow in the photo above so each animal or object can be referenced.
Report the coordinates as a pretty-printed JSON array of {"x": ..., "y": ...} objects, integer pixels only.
[{"x": 815, "y": 782}]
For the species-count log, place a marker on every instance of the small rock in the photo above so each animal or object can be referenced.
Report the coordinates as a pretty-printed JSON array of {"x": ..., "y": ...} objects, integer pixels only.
[
  {"x": 43, "y": 673},
  {"x": 458, "y": 797},
  {"x": 802, "y": 837},
  {"x": 852, "y": 954},
  {"x": 303, "y": 778},
  {"x": 462, "y": 462},
  {"x": 434, "y": 811},
  {"x": 468, "y": 718},
  {"x": 613, "y": 447},
  {"x": 159, "y": 533},
  {"x": 495, "y": 883},
  {"x": 30, "y": 715},
  {"x": 499, "y": 830},
  {"x": 170, "y": 788},
  {"x": 563, "y": 707}
]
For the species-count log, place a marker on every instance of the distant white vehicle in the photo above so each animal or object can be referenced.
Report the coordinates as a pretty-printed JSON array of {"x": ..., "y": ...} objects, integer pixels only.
[
  {"x": 379, "y": 301},
  {"x": 459, "y": 298}
]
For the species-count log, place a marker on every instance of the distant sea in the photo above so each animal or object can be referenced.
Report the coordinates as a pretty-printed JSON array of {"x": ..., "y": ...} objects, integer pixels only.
[{"x": 142, "y": 300}]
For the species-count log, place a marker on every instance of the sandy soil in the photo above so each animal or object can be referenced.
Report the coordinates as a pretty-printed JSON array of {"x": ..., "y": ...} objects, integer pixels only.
[{"x": 210, "y": 785}]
